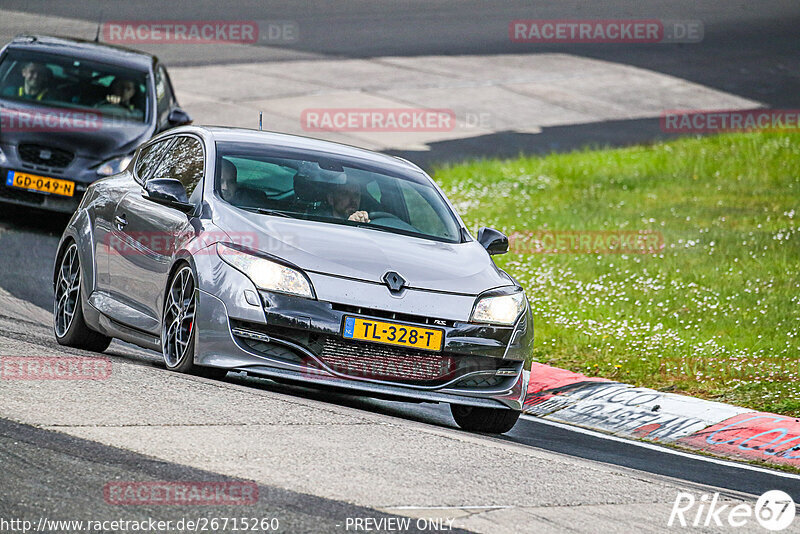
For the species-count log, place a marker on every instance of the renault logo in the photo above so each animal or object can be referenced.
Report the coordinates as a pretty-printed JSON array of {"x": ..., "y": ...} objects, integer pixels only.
[{"x": 394, "y": 281}]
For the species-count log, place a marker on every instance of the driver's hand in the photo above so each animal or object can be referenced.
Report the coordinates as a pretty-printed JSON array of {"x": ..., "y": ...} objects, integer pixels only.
[
  {"x": 113, "y": 99},
  {"x": 359, "y": 216}
]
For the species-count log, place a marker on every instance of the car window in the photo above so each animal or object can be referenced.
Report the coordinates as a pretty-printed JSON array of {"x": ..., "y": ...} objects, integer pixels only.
[
  {"x": 165, "y": 100},
  {"x": 332, "y": 190},
  {"x": 420, "y": 210},
  {"x": 184, "y": 161},
  {"x": 270, "y": 178},
  {"x": 149, "y": 158},
  {"x": 59, "y": 81}
]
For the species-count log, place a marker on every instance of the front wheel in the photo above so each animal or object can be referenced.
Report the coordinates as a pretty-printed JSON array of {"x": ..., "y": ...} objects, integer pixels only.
[
  {"x": 69, "y": 325},
  {"x": 488, "y": 420},
  {"x": 177, "y": 328}
]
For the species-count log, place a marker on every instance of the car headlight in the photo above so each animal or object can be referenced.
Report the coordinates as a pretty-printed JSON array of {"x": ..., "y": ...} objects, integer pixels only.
[
  {"x": 3, "y": 158},
  {"x": 499, "y": 309},
  {"x": 113, "y": 166},
  {"x": 267, "y": 274}
]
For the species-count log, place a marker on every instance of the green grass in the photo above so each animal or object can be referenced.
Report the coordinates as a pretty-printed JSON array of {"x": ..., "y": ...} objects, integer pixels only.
[{"x": 715, "y": 313}]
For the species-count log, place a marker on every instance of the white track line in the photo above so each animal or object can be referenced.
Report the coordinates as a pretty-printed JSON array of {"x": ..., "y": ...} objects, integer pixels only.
[{"x": 661, "y": 448}]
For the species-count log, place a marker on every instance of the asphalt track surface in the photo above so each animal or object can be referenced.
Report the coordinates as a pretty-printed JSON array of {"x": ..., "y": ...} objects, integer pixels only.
[
  {"x": 49, "y": 473},
  {"x": 750, "y": 49}
]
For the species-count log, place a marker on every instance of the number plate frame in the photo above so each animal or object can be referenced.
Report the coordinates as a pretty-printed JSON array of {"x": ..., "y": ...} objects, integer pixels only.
[
  {"x": 354, "y": 328},
  {"x": 37, "y": 183}
]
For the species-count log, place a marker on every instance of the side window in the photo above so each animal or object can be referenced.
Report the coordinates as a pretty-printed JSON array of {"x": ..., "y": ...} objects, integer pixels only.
[
  {"x": 165, "y": 100},
  {"x": 185, "y": 162},
  {"x": 149, "y": 157}
]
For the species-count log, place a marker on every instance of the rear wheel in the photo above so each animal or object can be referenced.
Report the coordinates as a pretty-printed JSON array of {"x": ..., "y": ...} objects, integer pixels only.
[
  {"x": 69, "y": 325},
  {"x": 488, "y": 420},
  {"x": 177, "y": 328}
]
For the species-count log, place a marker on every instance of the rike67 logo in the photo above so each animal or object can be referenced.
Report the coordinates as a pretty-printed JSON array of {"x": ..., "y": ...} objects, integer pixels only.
[{"x": 775, "y": 511}]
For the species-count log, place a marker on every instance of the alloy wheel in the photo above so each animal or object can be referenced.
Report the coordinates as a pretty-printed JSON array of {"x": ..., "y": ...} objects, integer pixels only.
[
  {"x": 68, "y": 288},
  {"x": 178, "y": 323}
]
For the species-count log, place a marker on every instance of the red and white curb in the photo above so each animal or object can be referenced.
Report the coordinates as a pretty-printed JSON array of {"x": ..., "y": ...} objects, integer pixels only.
[{"x": 624, "y": 410}]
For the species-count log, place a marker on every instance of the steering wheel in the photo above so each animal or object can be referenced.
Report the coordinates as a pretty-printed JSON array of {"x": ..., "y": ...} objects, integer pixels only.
[
  {"x": 373, "y": 215},
  {"x": 389, "y": 220}
]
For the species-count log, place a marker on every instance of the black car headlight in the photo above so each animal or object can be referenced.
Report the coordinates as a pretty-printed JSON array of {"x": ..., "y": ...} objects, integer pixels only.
[
  {"x": 267, "y": 274},
  {"x": 499, "y": 309},
  {"x": 113, "y": 166}
]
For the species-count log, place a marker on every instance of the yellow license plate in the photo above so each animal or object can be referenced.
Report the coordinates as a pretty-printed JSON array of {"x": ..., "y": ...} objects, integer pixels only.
[
  {"x": 393, "y": 333},
  {"x": 44, "y": 184}
]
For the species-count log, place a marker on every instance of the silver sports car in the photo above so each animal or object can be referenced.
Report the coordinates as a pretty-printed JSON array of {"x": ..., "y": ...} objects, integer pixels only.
[{"x": 299, "y": 260}]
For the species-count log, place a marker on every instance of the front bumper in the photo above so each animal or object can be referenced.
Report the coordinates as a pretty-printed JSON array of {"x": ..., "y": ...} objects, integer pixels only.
[
  {"x": 36, "y": 199},
  {"x": 299, "y": 339},
  {"x": 78, "y": 171}
]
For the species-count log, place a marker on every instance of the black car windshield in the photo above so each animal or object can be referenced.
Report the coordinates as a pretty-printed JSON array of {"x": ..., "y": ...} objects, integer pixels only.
[
  {"x": 332, "y": 189},
  {"x": 52, "y": 80}
]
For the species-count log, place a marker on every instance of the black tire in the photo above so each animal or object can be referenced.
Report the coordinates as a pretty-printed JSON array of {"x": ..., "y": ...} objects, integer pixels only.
[
  {"x": 177, "y": 340},
  {"x": 487, "y": 420},
  {"x": 69, "y": 325}
]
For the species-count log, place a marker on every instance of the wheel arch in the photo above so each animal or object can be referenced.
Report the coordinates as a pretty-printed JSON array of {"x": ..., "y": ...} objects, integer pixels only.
[{"x": 79, "y": 232}]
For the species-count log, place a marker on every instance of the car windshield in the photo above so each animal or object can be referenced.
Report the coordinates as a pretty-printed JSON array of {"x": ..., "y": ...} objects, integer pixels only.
[
  {"x": 63, "y": 82},
  {"x": 332, "y": 189}
]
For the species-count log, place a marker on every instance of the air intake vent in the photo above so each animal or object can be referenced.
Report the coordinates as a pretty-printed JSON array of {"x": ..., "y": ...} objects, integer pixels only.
[{"x": 45, "y": 156}]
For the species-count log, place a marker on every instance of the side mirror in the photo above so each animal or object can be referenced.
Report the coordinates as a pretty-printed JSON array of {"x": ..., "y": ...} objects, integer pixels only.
[
  {"x": 169, "y": 192},
  {"x": 493, "y": 241},
  {"x": 178, "y": 117}
]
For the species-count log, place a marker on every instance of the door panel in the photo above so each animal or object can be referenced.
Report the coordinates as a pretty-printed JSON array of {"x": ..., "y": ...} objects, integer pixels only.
[
  {"x": 150, "y": 234},
  {"x": 146, "y": 235},
  {"x": 102, "y": 214}
]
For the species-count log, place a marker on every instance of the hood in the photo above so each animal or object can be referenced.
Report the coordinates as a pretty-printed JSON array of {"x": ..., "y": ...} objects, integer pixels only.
[
  {"x": 366, "y": 254},
  {"x": 97, "y": 142}
]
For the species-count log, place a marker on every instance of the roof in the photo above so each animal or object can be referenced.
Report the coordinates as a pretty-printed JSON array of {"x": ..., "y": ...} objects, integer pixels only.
[
  {"x": 87, "y": 50},
  {"x": 246, "y": 135}
]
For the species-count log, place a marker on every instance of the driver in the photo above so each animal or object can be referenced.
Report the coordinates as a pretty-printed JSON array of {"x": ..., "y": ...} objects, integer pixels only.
[
  {"x": 121, "y": 92},
  {"x": 344, "y": 201}
]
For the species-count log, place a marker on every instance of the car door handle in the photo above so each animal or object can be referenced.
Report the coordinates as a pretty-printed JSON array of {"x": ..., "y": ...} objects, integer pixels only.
[{"x": 121, "y": 221}]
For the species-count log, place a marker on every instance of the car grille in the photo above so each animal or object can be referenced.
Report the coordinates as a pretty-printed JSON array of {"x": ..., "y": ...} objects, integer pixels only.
[
  {"x": 371, "y": 361},
  {"x": 58, "y": 159},
  {"x": 377, "y": 362}
]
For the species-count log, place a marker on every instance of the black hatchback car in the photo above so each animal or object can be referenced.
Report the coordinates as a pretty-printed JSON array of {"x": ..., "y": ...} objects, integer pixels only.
[{"x": 72, "y": 112}]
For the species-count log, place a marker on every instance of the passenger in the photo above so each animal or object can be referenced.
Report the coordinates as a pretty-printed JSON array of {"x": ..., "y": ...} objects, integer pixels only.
[
  {"x": 234, "y": 193},
  {"x": 36, "y": 81}
]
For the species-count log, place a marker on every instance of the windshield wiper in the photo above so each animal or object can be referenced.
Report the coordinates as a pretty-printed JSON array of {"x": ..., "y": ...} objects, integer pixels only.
[{"x": 266, "y": 211}]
